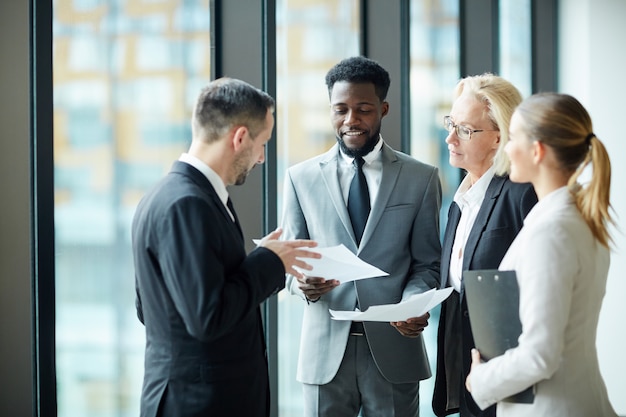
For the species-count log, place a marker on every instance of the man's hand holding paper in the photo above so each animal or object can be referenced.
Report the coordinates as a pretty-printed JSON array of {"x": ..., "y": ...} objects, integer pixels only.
[
  {"x": 412, "y": 327},
  {"x": 415, "y": 306},
  {"x": 339, "y": 263},
  {"x": 336, "y": 266},
  {"x": 314, "y": 287}
]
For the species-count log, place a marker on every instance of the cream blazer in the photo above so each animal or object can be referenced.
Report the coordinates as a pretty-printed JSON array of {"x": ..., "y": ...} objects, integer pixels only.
[{"x": 561, "y": 271}]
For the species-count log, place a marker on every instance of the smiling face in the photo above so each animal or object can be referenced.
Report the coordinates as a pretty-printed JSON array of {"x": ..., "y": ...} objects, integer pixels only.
[
  {"x": 474, "y": 155},
  {"x": 356, "y": 113}
]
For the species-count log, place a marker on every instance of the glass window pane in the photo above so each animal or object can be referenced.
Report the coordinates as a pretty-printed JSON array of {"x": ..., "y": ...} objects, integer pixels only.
[
  {"x": 311, "y": 37},
  {"x": 126, "y": 74},
  {"x": 434, "y": 73},
  {"x": 515, "y": 44},
  {"x": 434, "y": 50}
]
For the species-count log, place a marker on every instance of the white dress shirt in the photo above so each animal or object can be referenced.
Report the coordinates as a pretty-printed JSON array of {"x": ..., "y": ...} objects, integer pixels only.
[
  {"x": 561, "y": 271},
  {"x": 469, "y": 198},
  {"x": 372, "y": 169},
  {"x": 214, "y": 179}
]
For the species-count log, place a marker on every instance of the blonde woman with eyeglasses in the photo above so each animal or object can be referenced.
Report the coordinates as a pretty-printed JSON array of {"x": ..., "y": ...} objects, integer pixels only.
[
  {"x": 561, "y": 258},
  {"x": 486, "y": 215}
]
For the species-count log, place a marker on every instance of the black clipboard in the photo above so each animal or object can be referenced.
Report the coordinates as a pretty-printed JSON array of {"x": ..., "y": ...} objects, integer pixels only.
[{"x": 493, "y": 303}]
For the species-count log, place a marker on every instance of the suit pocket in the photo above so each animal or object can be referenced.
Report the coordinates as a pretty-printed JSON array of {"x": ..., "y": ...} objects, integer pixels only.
[
  {"x": 395, "y": 224},
  {"x": 399, "y": 207},
  {"x": 501, "y": 234}
]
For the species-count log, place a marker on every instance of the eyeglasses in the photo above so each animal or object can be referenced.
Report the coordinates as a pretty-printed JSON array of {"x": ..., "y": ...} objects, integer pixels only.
[{"x": 463, "y": 132}]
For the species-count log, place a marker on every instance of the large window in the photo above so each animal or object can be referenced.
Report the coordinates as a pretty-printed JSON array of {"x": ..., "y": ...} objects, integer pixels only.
[
  {"x": 311, "y": 37},
  {"x": 434, "y": 73},
  {"x": 515, "y": 46},
  {"x": 434, "y": 59},
  {"x": 126, "y": 74}
]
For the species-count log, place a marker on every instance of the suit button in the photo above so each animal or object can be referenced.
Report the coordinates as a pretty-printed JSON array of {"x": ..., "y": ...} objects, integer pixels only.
[{"x": 465, "y": 313}]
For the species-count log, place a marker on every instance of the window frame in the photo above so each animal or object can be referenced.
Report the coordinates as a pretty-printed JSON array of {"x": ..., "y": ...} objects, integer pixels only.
[{"x": 241, "y": 54}]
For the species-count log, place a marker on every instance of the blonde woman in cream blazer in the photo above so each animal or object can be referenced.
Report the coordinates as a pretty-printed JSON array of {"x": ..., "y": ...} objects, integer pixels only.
[{"x": 561, "y": 257}]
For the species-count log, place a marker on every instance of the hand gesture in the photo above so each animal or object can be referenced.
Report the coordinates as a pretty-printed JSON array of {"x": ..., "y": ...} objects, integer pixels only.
[
  {"x": 289, "y": 251},
  {"x": 413, "y": 326}
]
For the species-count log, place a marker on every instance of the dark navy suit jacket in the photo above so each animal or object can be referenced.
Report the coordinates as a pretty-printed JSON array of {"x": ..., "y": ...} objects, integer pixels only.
[
  {"x": 198, "y": 295},
  {"x": 499, "y": 219}
]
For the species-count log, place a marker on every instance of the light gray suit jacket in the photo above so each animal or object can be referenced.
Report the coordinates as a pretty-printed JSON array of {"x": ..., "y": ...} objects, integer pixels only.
[{"x": 401, "y": 237}]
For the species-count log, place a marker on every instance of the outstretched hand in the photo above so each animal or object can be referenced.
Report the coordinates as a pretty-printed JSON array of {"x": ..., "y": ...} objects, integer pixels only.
[{"x": 290, "y": 251}]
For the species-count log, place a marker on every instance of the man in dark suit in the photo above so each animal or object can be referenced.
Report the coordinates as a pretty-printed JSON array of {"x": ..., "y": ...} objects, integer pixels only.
[{"x": 198, "y": 293}]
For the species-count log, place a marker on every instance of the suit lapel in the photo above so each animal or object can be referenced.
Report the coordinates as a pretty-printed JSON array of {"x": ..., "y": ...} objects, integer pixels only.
[
  {"x": 328, "y": 168},
  {"x": 491, "y": 196},
  {"x": 454, "y": 215}
]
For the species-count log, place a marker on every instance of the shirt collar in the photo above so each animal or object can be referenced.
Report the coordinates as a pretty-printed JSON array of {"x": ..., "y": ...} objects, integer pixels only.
[
  {"x": 469, "y": 194},
  {"x": 370, "y": 157},
  {"x": 214, "y": 179}
]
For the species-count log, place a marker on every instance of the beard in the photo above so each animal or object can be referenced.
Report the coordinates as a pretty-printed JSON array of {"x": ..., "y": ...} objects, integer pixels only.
[
  {"x": 241, "y": 178},
  {"x": 240, "y": 166},
  {"x": 367, "y": 147}
]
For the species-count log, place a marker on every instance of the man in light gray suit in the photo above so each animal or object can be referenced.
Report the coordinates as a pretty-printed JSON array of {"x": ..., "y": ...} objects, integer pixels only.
[{"x": 368, "y": 367}]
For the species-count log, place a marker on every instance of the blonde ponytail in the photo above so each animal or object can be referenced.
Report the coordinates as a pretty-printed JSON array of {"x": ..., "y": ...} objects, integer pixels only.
[{"x": 593, "y": 199}]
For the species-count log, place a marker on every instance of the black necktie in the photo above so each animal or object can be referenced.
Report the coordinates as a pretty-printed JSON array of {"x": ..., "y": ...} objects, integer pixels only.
[
  {"x": 358, "y": 200},
  {"x": 229, "y": 204}
]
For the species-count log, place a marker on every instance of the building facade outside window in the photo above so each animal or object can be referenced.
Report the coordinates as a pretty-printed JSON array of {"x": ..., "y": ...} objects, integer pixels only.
[
  {"x": 311, "y": 37},
  {"x": 515, "y": 44},
  {"x": 434, "y": 58},
  {"x": 126, "y": 75}
]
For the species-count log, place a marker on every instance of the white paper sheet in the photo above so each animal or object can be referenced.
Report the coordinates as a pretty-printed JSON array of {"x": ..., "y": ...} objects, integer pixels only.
[
  {"x": 338, "y": 262},
  {"x": 414, "y": 306}
]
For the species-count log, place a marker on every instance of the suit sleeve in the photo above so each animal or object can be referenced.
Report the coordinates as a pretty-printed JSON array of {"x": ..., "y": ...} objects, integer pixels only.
[
  {"x": 211, "y": 282},
  {"x": 138, "y": 305},
  {"x": 425, "y": 240},
  {"x": 293, "y": 224}
]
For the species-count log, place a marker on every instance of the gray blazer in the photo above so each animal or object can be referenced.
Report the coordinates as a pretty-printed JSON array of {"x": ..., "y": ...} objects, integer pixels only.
[{"x": 401, "y": 237}]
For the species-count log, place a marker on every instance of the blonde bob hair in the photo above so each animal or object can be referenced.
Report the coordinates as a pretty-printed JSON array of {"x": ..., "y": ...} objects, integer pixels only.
[{"x": 501, "y": 98}]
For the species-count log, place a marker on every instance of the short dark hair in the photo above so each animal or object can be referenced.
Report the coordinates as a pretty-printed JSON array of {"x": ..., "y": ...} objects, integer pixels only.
[
  {"x": 228, "y": 102},
  {"x": 359, "y": 69}
]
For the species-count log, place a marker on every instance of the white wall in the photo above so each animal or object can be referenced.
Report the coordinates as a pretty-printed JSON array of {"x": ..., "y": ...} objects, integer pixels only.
[{"x": 592, "y": 62}]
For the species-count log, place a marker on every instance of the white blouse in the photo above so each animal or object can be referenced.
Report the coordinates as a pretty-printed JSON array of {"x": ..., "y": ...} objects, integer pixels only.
[
  {"x": 469, "y": 198},
  {"x": 561, "y": 270}
]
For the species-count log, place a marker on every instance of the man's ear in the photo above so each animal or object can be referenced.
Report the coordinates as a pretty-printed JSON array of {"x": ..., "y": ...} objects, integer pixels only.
[
  {"x": 239, "y": 135},
  {"x": 385, "y": 108}
]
